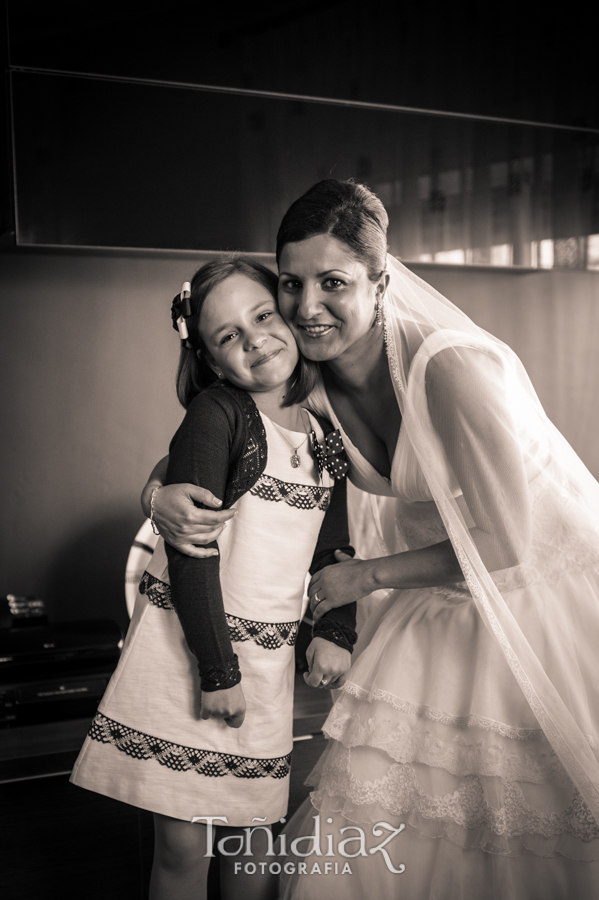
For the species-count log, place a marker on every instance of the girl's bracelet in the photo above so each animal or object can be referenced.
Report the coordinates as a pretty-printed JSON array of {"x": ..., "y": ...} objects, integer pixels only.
[{"x": 154, "y": 527}]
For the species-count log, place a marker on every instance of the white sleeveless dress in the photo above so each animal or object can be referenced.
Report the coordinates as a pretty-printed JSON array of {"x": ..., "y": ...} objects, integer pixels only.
[
  {"x": 147, "y": 745},
  {"x": 432, "y": 732}
]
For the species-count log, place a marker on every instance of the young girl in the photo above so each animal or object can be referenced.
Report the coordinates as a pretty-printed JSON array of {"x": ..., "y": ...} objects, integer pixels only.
[{"x": 216, "y": 748}]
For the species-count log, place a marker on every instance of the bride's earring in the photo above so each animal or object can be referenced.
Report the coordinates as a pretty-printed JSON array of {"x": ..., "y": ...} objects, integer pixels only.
[{"x": 378, "y": 320}]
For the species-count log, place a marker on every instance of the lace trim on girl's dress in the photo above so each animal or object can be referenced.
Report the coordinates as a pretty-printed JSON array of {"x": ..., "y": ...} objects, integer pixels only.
[
  {"x": 534, "y": 764},
  {"x": 302, "y": 496},
  {"x": 157, "y": 592},
  {"x": 270, "y": 635},
  {"x": 143, "y": 746},
  {"x": 399, "y": 793},
  {"x": 436, "y": 715}
]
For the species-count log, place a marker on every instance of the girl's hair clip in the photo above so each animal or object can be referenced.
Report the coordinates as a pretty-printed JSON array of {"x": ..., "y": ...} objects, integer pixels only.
[
  {"x": 186, "y": 298},
  {"x": 181, "y": 309},
  {"x": 182, "y": 328}
]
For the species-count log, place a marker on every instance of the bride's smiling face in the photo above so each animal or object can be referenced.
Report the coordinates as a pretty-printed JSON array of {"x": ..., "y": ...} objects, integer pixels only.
[{"x": 326, "y": 296}]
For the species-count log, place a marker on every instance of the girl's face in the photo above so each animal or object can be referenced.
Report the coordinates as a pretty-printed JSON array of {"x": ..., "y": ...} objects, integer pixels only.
[
  {"x": 326, "y": 296},
  {"x": 245, "y": 336}
]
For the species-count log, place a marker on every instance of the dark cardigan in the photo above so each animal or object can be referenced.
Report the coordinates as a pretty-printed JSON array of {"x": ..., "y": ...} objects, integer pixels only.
[{"x": 221, "y": 445}]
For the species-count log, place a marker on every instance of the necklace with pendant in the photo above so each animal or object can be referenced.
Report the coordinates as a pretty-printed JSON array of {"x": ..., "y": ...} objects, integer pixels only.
[{"x": 294, "y": 458}]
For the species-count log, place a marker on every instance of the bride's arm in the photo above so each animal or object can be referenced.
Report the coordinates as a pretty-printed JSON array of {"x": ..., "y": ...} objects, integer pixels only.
[
  {"x": 469, "y": 409},
  {"x": 176, "y": 514},
  {"x": 353, "y": 579}
]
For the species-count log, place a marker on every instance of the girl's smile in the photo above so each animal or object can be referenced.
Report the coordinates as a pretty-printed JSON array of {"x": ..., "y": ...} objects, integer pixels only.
[{"x": 266, "y": 358}]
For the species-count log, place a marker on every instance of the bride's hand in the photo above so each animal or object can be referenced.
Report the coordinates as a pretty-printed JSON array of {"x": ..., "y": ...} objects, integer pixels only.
[
  {"x": 182, "y": 524},
  {"x": 346, "y": 581}
]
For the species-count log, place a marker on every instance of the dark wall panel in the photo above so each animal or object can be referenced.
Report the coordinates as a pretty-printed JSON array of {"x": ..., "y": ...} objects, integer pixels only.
[{"x": 112, "y": 164}]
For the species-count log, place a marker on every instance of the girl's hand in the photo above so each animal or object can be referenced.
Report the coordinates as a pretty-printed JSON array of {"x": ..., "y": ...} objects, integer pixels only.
[
  {"x": 228, "y": 705},
  {"x": 182, "y": 524},
  {"x": 346, "y": 581},
  {"x": 328, "y": 664}
]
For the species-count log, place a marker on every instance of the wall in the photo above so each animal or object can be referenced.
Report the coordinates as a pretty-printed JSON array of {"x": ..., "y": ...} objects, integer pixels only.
[{"x": 88, "y": 359}]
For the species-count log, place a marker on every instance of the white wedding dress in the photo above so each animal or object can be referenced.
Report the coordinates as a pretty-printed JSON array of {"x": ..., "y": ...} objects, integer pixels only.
[{"x": 471, "y": 710}]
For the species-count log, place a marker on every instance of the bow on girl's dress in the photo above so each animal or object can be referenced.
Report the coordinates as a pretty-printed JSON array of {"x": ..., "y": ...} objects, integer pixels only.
[{"x": 330, "y": 455}]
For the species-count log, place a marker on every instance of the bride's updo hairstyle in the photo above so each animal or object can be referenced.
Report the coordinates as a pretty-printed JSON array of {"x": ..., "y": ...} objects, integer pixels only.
[{"x": 347, "y": 211}]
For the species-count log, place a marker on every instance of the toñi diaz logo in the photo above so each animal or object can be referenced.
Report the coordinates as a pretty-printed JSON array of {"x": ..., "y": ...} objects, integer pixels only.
[{"x": 352, "y": 841}]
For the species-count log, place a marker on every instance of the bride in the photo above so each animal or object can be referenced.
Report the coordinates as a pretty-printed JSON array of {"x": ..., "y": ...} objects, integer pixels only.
[{"x": 463, "y": 761}]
